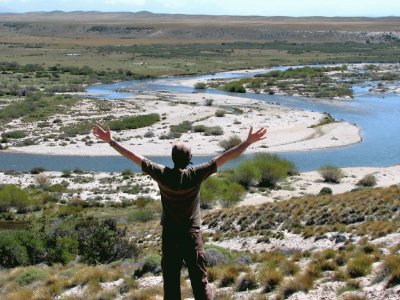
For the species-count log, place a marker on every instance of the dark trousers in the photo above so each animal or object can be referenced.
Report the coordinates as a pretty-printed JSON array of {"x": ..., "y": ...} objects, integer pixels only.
[{"x": 188, "y": 247}]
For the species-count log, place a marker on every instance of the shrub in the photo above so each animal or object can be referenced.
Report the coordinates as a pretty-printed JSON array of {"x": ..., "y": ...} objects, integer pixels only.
[
  {"x": 150, "y": 264},
  {"x": 62, "y": 248},
  {"x": 42, "y": 180},
  {"x": 32, "y": 275},
  {"x": 16, "y": 134},
  {"x": 391, "y": 268},
  {"x": 220, "y": 112},
  {"x": 247, "y": 173},
  {"x": 272, "y": 168},
  {"x": 359, "y": 266},
  {"x": 37, "y": 170},
  {"x": 126, "y": 173},
  {"x": 246, "y": 282},
  {"x": 325, "y": 191},
  {"x": 209, "y": 191},
  {"x": 103, "y": 242},
  {"x": 216, "y": 256},
  {"x": 234, "y": 87},
  {"x": 367, "y": 181},
  {"x": 20, "y": 248},
  {"x": 230, "y": 142},
  {"x": 299, "y": 283},
  {"x": 13, "y": 196},
  {"x": 214, "y": 130},
  {"x": 199, "y": 128},
  {"x": 134, "y": 122},
  {"x": 200, "y": 86},
  {"x": 149, "y": 134},
  {"x": 270, "y": 279},
  {"x": 66, "y": 173},
  {"x": 229, "y": 275},
  {"x": 142, "y": 216},
  {"x": 209, "y": 102},
  {"x": 231, "y": 194},
  {"x": 331, "y": 173}
]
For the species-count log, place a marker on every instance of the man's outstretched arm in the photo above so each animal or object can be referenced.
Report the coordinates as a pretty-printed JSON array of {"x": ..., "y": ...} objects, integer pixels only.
[
  {"x": 105, "y": 135},
  {"x": 235, "y": 151}
]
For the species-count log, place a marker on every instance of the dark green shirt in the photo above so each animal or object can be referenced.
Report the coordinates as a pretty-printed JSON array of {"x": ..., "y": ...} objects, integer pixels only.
[{"x": 180, "y": 189}]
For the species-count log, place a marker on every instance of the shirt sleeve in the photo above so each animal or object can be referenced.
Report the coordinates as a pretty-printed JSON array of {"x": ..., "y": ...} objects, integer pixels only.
[
  {"x": 203, "y": 171},
  {"x": 154, "y": 170}
]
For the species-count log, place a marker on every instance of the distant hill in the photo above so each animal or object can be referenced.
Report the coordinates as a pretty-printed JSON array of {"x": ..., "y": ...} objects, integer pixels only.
[{"x": 153, "y": 26}]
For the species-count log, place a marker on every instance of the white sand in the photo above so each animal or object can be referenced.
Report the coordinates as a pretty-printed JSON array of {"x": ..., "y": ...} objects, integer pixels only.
[
  {"x": 310, "y": 183},
  {"x": 288, "y": 129}
]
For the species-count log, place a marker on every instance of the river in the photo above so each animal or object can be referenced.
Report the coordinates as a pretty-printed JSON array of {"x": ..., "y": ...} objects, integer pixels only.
[{"x": 376, "y": 114}]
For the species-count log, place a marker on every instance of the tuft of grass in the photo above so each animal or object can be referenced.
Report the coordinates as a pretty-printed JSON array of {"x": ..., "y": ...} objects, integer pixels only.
[
  {"x": 331, "y": 173},
  {"x": 390, "y": 269},
  {"x": 359, "y": 266},
  {"x": 367, "y": 181},
  {"x": 31, "y": 275},
  {"x": 246, "y": 282},
  {"x": 230, "y": 142},
  {"x": 270, "y": 279}
]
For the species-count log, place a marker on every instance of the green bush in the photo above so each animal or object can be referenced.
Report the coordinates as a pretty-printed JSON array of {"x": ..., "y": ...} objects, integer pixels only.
[
  {"x": 37, "y": 170},
  {"x": 359, "y": 266},
  {"x": 134, "y": 122},
  {"x": 16, "y": 134},
  {"x": 217, "y": 189},
  {"x": 214, "y": 130},
  {"x": 367, "y": 181},
  {"x": 199, "y": 128},
  {"x": 63, "y": 248},
  {"x": 13, "y": 196},
  {"x": 150, "y": 264},
  {"x": 231, "y": 194},
  {"x": 142, "y": 216},
  {"x": 331, "y": 173},
  {"x": 209, "y": 191},
  {"x": 103, "y": 242},
  {"x": 246, "y": 282},
  {"x": 230, "y": 142},
  {"x": 247, "y": 173},
  {"x": 182, "y": 127},
  {"x": 220, "y": 112},
  {"x": 325, "y": 191},
  {"x": 200, "y": 86},
  {"x": 234, "y": 87},
  {"x": 272, "y": 168},
  {"x": 21, "y": 248},
  {"x": 32, "y": 275}
]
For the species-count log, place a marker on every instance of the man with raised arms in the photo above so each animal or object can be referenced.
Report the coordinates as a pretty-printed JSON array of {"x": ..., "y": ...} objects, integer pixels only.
[{"x": 180, "y": 188}]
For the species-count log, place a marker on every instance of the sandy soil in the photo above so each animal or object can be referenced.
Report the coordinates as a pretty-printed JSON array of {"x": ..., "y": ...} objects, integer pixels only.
[
  {"x": 288, "y": 129},
  {"x": 310, "y": 183}
]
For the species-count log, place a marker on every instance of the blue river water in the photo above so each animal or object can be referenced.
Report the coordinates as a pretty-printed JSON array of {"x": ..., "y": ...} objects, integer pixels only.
[{"x": 378, "y": 116}]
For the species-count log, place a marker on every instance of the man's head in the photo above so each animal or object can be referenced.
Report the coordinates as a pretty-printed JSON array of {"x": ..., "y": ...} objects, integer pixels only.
[{"x": 181, "y": 154}]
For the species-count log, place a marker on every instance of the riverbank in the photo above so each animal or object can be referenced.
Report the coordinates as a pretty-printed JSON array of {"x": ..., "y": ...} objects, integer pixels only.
[
  {"x": 288, "y": 129},
  {"x": 117, "y": 187}
]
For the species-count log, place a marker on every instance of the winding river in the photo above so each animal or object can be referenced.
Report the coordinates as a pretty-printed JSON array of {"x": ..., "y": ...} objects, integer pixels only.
[{"x": 378, "y": 116}]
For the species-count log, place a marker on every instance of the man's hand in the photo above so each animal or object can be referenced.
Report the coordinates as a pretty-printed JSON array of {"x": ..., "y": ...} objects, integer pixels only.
[
  {"x": 256, "y": 136},
  {"x": 102, "y": 134},
  {"x": 235, "y": 151}
]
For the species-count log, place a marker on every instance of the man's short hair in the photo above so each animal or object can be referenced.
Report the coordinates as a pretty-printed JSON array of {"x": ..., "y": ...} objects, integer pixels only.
[{"x": 181, "y": 154}]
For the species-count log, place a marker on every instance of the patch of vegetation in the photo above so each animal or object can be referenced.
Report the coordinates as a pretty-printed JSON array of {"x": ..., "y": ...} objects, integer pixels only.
[
  {"x": 230, "y": 142},
  {"x": 331, "y": 173}
]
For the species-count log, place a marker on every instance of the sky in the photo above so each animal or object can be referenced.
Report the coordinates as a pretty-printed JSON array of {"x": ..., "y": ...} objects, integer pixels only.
[{"x": 295, "y": 8}]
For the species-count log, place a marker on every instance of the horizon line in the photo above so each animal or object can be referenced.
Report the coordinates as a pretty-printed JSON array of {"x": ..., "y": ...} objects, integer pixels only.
[{"x": 185, "y": 14}]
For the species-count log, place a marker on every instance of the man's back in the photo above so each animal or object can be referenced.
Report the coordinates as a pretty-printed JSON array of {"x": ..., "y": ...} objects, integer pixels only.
[{"x": 180, "y": 190}]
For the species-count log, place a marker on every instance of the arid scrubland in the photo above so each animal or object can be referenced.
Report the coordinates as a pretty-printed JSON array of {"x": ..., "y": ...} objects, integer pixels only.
[{"x": 75, "y": 234}]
